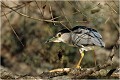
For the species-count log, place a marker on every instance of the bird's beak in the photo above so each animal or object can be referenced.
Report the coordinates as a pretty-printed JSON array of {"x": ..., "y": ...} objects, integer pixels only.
[{"x": 51, "y": 40}]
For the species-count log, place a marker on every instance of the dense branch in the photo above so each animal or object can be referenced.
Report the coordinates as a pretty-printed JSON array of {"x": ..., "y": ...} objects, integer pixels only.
[{"x": 35, "y": 18}]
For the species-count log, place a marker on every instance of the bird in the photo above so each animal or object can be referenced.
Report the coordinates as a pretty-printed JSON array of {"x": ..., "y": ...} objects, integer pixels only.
[{"x": 82, "y": 37}]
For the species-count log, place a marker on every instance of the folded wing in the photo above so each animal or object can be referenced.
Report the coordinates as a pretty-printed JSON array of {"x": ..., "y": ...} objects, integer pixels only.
[{"x": 86, "y": 37}]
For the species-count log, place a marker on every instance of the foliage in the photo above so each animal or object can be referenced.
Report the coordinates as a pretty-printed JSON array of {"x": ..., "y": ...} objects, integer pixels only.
[{"x": 43, "y": 20}]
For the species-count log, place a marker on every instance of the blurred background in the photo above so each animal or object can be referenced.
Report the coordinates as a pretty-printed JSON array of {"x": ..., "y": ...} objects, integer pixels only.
[{"x": 26, "y": 25}]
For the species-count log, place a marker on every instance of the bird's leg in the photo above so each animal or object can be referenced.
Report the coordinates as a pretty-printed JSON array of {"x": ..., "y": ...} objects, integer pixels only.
[
  {"x": 94, "y": 56},
  {"x": 81, "y": 57}
]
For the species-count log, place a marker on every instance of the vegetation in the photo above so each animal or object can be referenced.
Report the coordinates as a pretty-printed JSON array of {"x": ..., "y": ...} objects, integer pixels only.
[{"x": 26, "y": 25}]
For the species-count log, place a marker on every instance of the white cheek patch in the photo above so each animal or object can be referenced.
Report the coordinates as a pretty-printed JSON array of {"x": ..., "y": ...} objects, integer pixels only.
[
  {"x": 57, "y": 40},
  {"x": 61, "y": 39},
  {"x": 65, "y": 37}
]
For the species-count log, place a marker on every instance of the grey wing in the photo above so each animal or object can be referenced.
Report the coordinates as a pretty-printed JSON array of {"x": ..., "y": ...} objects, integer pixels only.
[
  {"x": 97, "y": 39},
  {"x": 87, "y": 37},
  {"x": 79, "y": 37}
]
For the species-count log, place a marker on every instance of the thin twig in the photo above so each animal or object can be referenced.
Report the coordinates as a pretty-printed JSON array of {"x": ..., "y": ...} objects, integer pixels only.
[
  {"x": 77, "y": 9},
  {"x": 44, "y": 5},
  {"x": 51, "y": 13},
  {"x": 64, "y": 14},
  {"x": 72, "y": 14},
  {"x": 112, "y": 8},
  {"x": 31, "y": 17},
  {"x": 24, "y": 9},
  {"x": 15, "y": 3},
  {"x": 114, "y": 22},
  {"x": 35, "y": 18},
  {"x": 65, "y": 26},
  {"x": 15, "y": 9},
  {"x": 89, "y": 18},
  {"x": 107, "y": 20},
  {"x": 39, "y": 8},
  {"x": 13, "y": 30},
  {"x": 115, "y": 3},
  {"x": 20, "y": 6}
]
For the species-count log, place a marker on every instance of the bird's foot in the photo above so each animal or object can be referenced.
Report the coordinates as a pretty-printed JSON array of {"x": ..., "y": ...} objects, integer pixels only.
[{"x": 78, "y": 67}]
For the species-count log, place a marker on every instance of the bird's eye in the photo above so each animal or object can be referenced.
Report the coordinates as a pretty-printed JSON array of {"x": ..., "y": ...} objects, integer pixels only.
[{"x": 59, "y": 34}]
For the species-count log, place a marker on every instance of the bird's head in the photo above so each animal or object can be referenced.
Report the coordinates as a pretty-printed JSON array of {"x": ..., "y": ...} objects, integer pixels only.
[{"x": 61, "y": 36}]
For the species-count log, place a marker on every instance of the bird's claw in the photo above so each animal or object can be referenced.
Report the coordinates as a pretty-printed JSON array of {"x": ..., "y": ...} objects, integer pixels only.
[{"x": 78, "y": 67}]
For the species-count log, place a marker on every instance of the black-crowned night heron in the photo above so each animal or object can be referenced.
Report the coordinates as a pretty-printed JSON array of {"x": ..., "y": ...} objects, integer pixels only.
[{"x": 80, "y": 36}]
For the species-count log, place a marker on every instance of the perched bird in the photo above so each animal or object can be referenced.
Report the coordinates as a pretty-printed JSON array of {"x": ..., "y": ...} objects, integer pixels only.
[{"x": 80, "y": 36}]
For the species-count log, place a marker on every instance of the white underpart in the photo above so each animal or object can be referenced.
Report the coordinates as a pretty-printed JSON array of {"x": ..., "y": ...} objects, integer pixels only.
[{"x": 86, "y": 49}]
